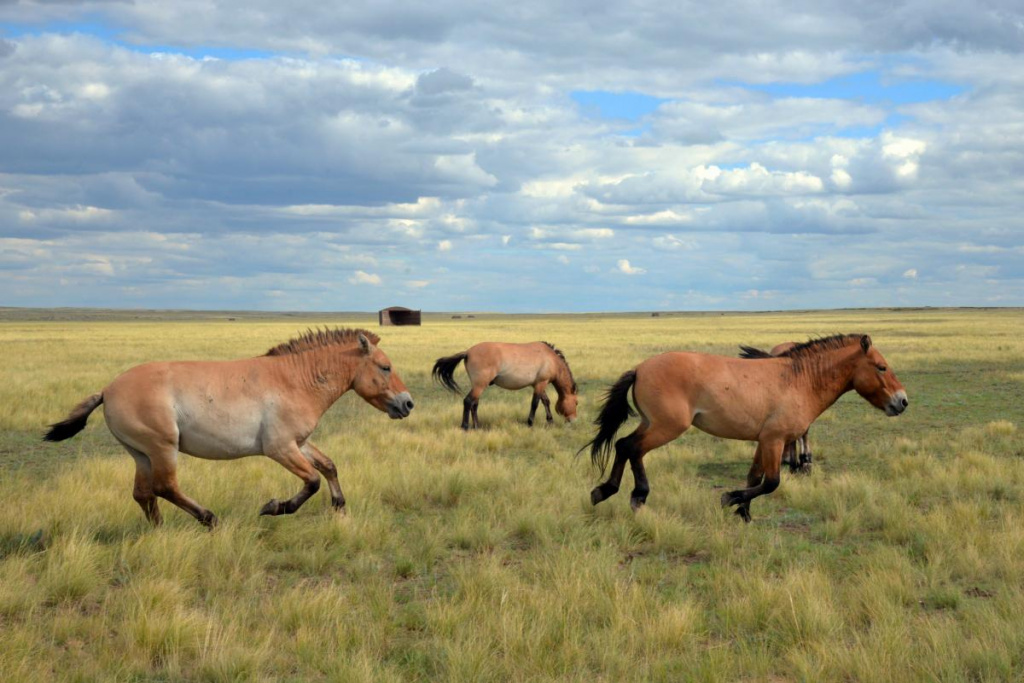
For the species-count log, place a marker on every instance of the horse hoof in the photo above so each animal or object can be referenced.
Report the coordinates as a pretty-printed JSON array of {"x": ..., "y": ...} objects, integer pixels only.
[
  {"x": 805, "y": 468},
  {"x": 636, "y": 503},
  {"x": 744, "y": 514},
  {"x": 727, "y": 499},
  {"x": 529, "y": 423},
  {"x": 271, "y": 508},
  {"x": 209, "y": 521}
]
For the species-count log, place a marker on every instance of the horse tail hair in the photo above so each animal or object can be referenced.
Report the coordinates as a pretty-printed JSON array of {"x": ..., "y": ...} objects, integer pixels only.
[
  {"x": 751, "y": 352},
  {"x": 444, "y": 369},
  {"x": 75, "y": 421},
  {"x": 614, "y": 412}
]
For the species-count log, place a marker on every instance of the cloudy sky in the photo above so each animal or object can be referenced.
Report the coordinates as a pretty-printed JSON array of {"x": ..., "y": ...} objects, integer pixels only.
[{"x": 511, "y": 156}]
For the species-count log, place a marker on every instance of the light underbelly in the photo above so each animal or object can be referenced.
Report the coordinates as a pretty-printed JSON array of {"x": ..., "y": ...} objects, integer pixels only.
[
  {"x": 726, "y": 428},
  {"x": 511, "y": 380},
  {"x": 220, "y": 434}
]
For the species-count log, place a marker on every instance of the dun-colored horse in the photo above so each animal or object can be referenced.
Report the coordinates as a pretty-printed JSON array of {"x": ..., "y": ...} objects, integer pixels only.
[
  {"x": 512, "y": 366},
  {"x": 222, "y": 410},
  {"x": 797, "y": 455},
  {"x": 771, "y": 401}
]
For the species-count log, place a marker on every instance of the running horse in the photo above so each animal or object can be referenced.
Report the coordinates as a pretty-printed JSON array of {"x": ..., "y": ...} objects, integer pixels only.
[
  {"x": 771, "y": 401},
  {"x": 223, "y": 410},
  {"x": 512, "y": 366},
  {"x": 797, "y": 455}
]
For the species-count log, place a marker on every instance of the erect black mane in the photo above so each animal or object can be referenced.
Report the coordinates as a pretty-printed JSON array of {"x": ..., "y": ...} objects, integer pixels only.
[
  {"x": 561, "y": 355},
  {"x": 316, "y": 339},
  {"x": 804, "y": 354},
  {"x": 819, "y": 344}
]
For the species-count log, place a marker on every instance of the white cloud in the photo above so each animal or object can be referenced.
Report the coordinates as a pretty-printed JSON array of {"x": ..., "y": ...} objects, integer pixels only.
[
  {"x": 417, "y": 284},
  {"x": 444, "y": 245},
  {"x": 623, "y": 266},
  {"x": 363, "y": 278},
  {"x": 910, "y": 273}
]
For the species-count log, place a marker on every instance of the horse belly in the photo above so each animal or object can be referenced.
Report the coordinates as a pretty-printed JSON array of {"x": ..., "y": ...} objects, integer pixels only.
[
  {"x": 216, "y": 434},
  {"x": 514, "y": 380},
  {"x": 726, "y": 428}
]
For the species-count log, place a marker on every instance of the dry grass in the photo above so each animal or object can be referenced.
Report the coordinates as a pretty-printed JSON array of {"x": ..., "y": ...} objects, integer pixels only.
[{"x": 477, "y": 557}]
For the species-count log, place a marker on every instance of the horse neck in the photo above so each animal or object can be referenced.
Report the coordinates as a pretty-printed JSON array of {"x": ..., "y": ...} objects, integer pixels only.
[
  {"x": 562, "y": 380},
  {"x": 828, "y": 375},
  {"x": 326, "y": 373}
]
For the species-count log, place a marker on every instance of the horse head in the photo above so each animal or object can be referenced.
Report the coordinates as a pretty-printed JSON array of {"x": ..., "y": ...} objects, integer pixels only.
[
  {"x": 378, "y": 384},
  {"x": 876, "y": 382}
]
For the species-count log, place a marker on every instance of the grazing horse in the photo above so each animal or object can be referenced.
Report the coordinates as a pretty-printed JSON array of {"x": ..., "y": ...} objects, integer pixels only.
[
  {"x": 797, "y": 455},
  {"x": 771, "y": 401},
  {"x": 512, "y": 366},
  {"x": 222, "y": 410}
]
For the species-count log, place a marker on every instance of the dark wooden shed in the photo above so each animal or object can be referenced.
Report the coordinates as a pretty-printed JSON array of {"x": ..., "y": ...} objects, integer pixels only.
[{"x": 398, "y": 315}]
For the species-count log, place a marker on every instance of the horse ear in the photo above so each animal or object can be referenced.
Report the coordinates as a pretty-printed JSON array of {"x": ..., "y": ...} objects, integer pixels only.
[
  {"x": 865, "y": 343},
  {"x": 364, "y": 344}
]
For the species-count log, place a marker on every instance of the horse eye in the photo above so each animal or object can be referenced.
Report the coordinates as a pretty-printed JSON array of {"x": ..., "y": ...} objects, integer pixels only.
[
  {"x": 881, "y": 368},
  {"x": 386, "y": 368}
]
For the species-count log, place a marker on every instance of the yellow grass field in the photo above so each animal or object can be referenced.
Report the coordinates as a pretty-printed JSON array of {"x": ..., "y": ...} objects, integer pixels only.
[{"x": 477, "y": 557}]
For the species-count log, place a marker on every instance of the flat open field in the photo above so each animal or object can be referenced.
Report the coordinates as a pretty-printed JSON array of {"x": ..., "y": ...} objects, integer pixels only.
[{"x": 478, "y": 557}]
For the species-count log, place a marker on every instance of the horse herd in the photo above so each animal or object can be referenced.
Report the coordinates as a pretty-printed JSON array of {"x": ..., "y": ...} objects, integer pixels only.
[{"x": 270, "y": 404}]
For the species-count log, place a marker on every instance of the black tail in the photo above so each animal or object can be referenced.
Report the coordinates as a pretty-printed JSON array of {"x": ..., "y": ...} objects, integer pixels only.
[
  {"x": 444, "y": 369},
  {"x": 751, "y": 352},
  {"x": 75, "y": 422},
  {"x": 614, "y": 412}
]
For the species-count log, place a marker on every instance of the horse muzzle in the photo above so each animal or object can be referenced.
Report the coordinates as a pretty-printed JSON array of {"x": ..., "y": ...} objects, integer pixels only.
[
  {"x": 897, "y": 404},
  {"x": 400, "y": 406}
]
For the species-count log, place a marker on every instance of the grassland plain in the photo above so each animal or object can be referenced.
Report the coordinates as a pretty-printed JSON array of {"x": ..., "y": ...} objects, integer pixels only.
[{"x": 477, "y": 557}]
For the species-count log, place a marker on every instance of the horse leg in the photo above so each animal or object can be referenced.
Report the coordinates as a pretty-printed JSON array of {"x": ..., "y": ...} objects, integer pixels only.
[
  {"x": 805, "y": 455},
  {"x": 623, "y": 450},
  {"x": 165, "y": 484},
  {"x": 143, "y": 492},
  {"x": 470, "y": 404},
  {"x": 638, "y": 498},
  {"x": 771, "y": 463},
  {"x": 326, "y": 467},
  {"x": 789, "y": 456},
  {"x": 292, "y": 459},
  {"x": 754, "y": 477},
  {"x": 654, "y": 437},
  {"x": 547, "y": 406},
  {"x": 534, "y": 402},
  {"x": 476, "y": 418}
]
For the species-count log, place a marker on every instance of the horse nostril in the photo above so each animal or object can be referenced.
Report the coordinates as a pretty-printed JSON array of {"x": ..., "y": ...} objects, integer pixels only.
[
  {"x": 408, "y": 405},
  {"x": 906, "y": 403}
]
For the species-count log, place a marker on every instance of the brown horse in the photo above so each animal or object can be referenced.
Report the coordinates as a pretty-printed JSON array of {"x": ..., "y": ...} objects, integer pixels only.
[
  {"x": 222, "y": 410},
  {"x": 512, "y": 366},
  {"x": 797, "y": 455},
  {"x": 771, "y": 401}
]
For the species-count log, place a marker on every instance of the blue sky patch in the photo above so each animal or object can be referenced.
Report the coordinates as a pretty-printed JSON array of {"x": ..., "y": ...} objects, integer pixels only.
[
  {"x": 866, "y": 86},
  {"x": 601, "y": 104},
  {"x": 111, "y": 35}
]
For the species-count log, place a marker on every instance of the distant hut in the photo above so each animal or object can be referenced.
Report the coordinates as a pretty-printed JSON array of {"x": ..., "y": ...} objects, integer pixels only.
[{"x": 398, "y": 315}]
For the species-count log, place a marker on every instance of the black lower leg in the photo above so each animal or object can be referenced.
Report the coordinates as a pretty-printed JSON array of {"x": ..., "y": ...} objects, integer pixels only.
[
  {"x": 287, "y": 507},
  {"x": 743, "y": 497},
  {"x": 534, "y": 402},
  {"x": 641, "y": 487},
  {"x": 476, "y": 418},
  {"x": 623, "y": 451},
  {"x": 467, "y": 405},
  {"x": 547, "y": 407}
]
